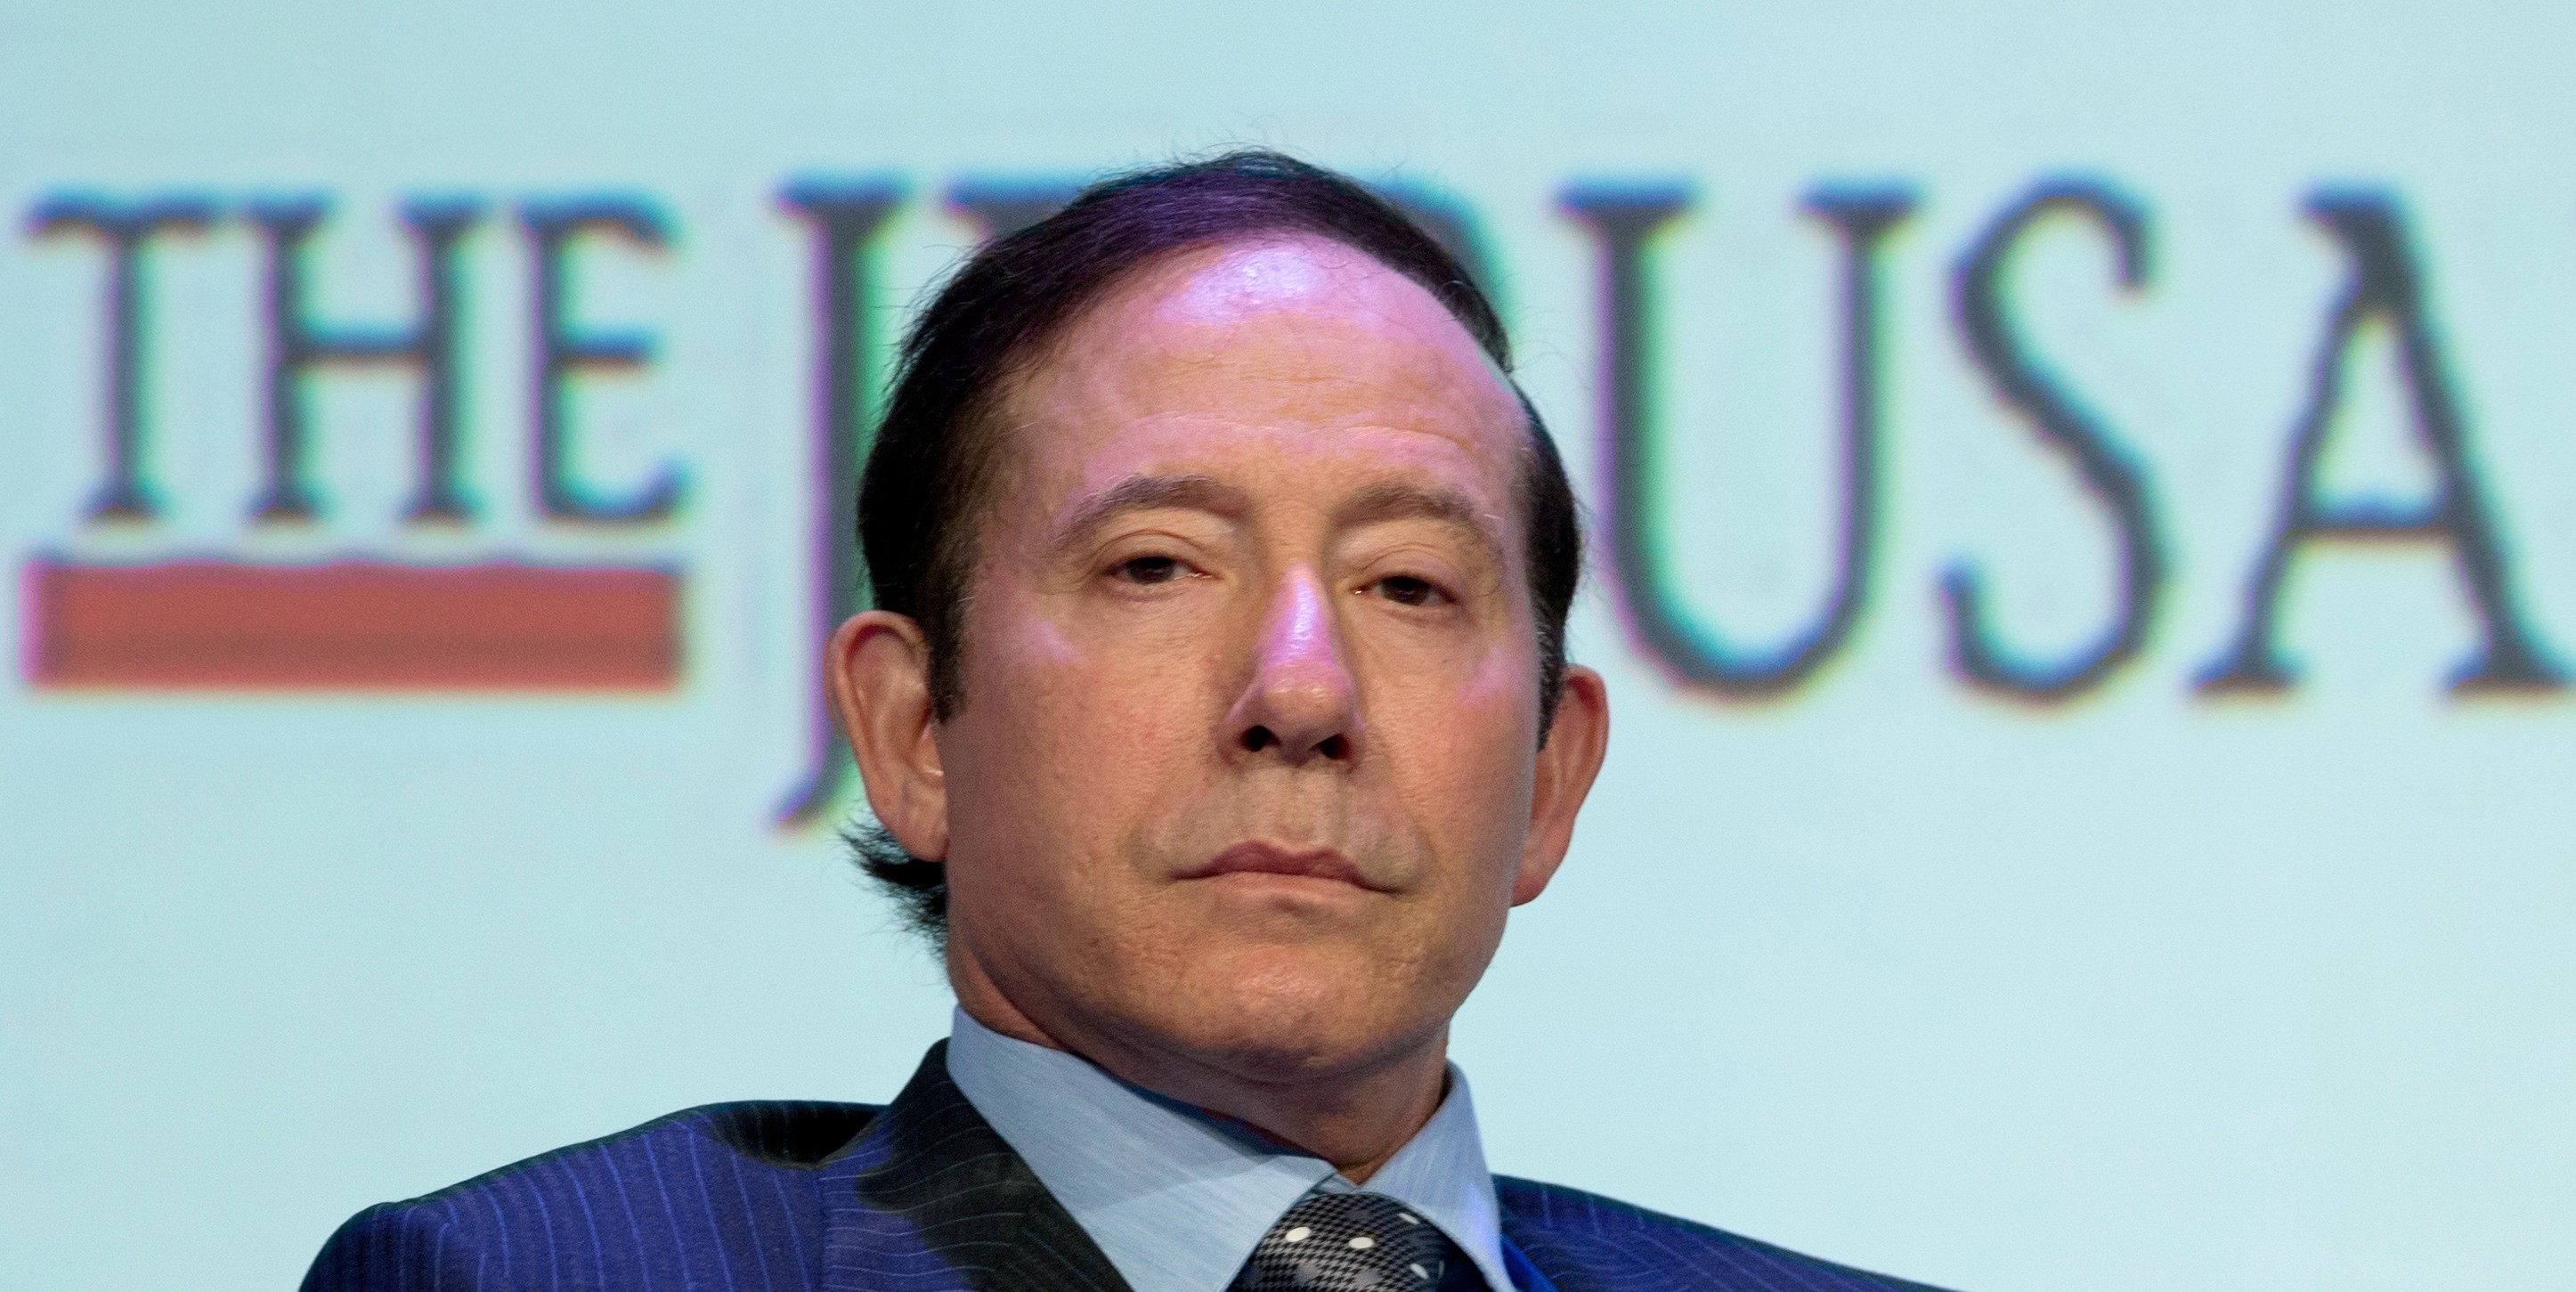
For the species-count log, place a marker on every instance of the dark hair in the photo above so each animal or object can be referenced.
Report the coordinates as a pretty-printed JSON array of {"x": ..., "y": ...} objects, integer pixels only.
[{"x": 922, "y": 496}]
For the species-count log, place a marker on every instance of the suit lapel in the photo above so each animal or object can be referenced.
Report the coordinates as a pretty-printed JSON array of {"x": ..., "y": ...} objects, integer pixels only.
[
  {"x": 930, "y": 1197},
  {"x": 1525, "y": 1275}
]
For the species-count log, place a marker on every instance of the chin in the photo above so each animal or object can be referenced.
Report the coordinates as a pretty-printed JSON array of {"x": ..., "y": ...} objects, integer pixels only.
[{"x": 1275, "y": 1013}]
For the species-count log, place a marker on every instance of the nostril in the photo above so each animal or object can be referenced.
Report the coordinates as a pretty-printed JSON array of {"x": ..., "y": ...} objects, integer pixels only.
[
  {"x": 1334, "y": 748},
  {"x": 1258, "y": 739}
]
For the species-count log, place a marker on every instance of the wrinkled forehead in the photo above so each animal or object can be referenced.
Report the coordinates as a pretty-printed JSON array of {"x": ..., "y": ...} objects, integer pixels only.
[{"x": 1292, "y": 336}]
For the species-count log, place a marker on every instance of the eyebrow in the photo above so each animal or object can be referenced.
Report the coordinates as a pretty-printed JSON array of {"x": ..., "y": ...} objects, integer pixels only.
[
  {"x": 1141, "y": 493},
  {"x": 1399, "y": 500},
  {"x": 1385, "y": 501}
]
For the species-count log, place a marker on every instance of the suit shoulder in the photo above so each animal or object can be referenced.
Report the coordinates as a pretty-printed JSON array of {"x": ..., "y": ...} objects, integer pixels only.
[
  {"x": 392, "y": 1247},
  {"x": 795, "y": 1134},
  {"x": 1607, "y": 1244},
  {"x": 685, "y": 1187}
]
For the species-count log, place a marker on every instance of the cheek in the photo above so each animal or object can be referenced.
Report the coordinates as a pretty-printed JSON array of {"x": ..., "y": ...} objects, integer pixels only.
[
  {"x": 1061, "y": 743},
  {"x": 1464, "y": 697},
  {"x": 1463, "y": 754}
]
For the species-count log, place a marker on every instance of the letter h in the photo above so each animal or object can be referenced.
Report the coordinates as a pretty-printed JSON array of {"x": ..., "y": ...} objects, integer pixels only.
[{"x": 297, "y": 345}]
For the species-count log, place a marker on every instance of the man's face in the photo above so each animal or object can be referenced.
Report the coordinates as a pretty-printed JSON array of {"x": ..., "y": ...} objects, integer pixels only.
[{"x": 1243, "y": 770}]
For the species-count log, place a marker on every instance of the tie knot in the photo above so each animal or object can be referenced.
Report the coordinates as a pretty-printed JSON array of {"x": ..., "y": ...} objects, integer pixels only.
[{"x": 1347, "y": 1242}]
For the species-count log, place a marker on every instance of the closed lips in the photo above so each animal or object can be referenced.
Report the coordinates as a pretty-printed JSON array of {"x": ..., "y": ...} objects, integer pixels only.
[{"x": 1269, "y": 859}]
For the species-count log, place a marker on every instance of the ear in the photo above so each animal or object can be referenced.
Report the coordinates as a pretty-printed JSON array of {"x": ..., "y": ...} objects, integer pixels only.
[
  {"x": 879, "y": 669},
  {"x": 1576, "y": 742}
]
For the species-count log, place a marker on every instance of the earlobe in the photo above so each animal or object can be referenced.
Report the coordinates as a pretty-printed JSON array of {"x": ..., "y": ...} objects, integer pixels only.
[
  {"x": 878, "y": 668},
  {"x": 1576, "y": 743}
]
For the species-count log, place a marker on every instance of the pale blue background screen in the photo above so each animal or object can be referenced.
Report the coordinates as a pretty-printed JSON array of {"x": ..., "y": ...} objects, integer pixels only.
[{"x": 2132, "y": 986}]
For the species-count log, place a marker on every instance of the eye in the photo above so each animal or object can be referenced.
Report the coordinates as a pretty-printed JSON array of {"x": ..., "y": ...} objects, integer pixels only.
[
  {"x": 1149, "y": 569},
  {"x": 1406, "y": 590}
]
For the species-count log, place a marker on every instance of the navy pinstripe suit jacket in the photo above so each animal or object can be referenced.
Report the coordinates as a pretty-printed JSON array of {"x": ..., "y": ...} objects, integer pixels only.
[{"x": 920, "y": 1196}]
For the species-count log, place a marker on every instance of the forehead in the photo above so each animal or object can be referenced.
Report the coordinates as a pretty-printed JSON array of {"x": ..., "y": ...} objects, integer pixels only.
[{"x": 1293, "y": 346}]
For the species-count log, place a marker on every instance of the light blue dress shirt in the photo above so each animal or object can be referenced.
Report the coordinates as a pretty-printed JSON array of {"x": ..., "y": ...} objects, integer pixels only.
[{"x": 1177, "y": 1198}]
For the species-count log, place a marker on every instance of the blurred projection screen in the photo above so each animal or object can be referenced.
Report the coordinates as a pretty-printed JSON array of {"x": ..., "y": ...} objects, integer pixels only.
[{"x": 2083, "y": 521}]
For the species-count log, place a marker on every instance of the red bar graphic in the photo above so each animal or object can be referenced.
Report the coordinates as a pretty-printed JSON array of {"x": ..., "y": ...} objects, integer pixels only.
[{"x": 351, "y": 626}]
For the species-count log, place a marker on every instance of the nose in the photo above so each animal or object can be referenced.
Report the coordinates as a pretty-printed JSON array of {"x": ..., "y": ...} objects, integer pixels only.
[{"x": 1300, "y": 704}]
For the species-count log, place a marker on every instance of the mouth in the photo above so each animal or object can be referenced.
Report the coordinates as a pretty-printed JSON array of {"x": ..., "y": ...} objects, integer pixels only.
[{"x": 1323, "y": 864}]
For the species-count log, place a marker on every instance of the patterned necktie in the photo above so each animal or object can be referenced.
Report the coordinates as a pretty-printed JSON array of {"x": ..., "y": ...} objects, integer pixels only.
[{"x": 1349, "y": 1242}]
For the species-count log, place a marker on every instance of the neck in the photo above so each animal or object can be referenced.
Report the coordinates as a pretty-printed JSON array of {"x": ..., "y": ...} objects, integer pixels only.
[{"x": 1355, "y": 1119}]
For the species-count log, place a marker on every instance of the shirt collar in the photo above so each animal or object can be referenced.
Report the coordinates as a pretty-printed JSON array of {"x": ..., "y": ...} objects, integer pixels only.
[{"x": 1177, "y": 1198}]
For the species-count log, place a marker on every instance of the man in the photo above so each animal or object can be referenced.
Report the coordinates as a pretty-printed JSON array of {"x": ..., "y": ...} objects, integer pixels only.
[{"x": 1215, "y": 711}]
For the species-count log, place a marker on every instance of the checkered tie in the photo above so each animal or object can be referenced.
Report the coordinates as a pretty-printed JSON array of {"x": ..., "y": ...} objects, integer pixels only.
[{"x": 1348, "y": 1242}]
